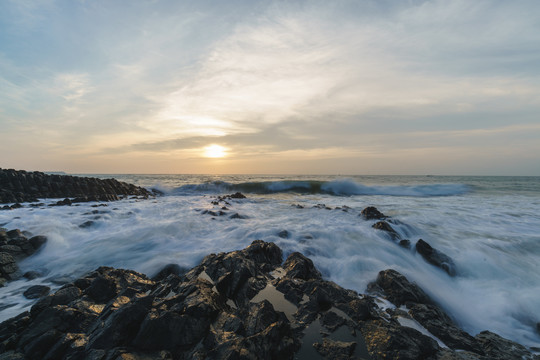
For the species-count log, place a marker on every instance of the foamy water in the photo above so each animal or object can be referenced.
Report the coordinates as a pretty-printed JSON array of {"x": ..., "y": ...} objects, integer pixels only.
[{"x": 489, "y": 226}]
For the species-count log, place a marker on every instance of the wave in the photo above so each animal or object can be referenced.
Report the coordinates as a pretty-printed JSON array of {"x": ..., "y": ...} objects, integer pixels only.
[{"x": 343, "y": 187}]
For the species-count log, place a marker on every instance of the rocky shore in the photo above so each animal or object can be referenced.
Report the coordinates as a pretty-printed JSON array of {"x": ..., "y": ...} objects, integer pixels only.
[
  {"x": 17, "y": 186},
  {"x": 16, "y": 245},
  {"x": 247, "y": 304}
]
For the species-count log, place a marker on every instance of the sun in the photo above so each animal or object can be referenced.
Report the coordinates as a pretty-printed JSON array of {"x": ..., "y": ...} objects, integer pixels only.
[{"x": 215, "y": 151}]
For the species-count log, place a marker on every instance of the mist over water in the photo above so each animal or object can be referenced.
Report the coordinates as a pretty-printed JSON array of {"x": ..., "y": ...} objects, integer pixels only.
[{"x": 488, "y": 225}]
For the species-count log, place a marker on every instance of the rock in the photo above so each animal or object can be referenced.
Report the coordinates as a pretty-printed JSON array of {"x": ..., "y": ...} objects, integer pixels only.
[
  {"x": 229, "y": 307},
  {"x": 86, "y": 224},
  {"x": 237, "y": 195},
  {"x": 398, "y": 290},
  {"x": 237, "y": 216},
  {"x": 335, "y": 350},
  {"x": 499, "y": 348},
  {"x": 169, "y": 269},
  {"x": 8, "y": 267},
  {"x": 36, "y": 291},
  {"x": 284, "y": 234},
  {"x": 436, "y": 257},
  {"x": 102, "y": 289},
  {"x": 384, "y": 226},
  {"x": 21, "y": 186},
  {"x": 405, "y": 243},
  {"x": 437, "y": 322},
  {"x": 371, "y": 213},
  {"x": 390, "y": 341},
  {"x": 38, "y": 241},
  {"x": 300, "y": 267},
  {"x": 31, "y": 275}
]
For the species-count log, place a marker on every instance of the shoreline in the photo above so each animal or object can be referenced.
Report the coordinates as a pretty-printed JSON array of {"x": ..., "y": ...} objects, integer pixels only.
[
  {"x": 381, "y": 223},
  {"x": 239, "y": 303}
]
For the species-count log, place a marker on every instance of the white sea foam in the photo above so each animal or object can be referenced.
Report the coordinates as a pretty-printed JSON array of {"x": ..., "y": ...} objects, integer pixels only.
[{"x": 493, "y": 238}]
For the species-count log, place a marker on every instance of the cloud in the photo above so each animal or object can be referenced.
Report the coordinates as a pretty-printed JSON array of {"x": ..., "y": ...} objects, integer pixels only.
[{"x": 271, "y": 78}]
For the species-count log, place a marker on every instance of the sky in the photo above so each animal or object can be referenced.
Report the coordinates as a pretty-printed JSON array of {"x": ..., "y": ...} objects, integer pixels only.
[{"x": 449, "y": 87}]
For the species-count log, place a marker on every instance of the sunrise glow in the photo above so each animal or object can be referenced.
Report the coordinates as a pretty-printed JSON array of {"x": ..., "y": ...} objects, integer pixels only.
[{"x": 215, "y": 151}]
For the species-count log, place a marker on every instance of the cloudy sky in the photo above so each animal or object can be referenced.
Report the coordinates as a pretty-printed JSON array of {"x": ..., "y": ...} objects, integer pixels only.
[{"x": 312, "y": 87}]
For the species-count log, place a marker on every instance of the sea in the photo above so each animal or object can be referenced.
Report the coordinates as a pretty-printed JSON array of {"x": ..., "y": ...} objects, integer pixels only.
[{"x": 489, "y": 226}]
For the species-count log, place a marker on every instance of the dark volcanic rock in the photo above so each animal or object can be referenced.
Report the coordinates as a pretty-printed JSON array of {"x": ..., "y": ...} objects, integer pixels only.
[
  {"x": 499, "y": 348},
  {"x": 405, "y": 243},
  {"x": 8, "y": 268},
  {"x": 435, "y": 257},
  {"x": 36, "y": 291},
  {"x": 284, "y": 234},
  {"x": 372, "y": 213},
  {"x": 437, "y": 322},
  {"x": 18, "y": 186},
  {"x": 335, "y": 350},
  {"x": 237, "y": 195},
  {"x": 300, "y": 267},
  {"x": 398, "y": 290},
  {"x": 391, "y": 341},
  {"x": 14, "y": 246},
  {"x": 384, "y": 226},
  {"x": 169, "y": 269},
  {"x": 232, "y": 306}
]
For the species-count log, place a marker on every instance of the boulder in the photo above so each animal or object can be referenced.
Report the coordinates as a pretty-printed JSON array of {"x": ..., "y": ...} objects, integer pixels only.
[
  {"x": 397, "y": 289},
  {"x": 384, "y": 226},
  {"x": 435, "y": 257},
  {"x": 36, "y": 291},
  {"x": 169, "y": 269},
  {"x": 499, "y": 348},
  {"x": 297, "y": 266},
  {"x": 372, "y": 213},
  {"x": 284, "y": 234},
  {"x": 335, "y": 350},
  {"x": 8, "y": 267}
]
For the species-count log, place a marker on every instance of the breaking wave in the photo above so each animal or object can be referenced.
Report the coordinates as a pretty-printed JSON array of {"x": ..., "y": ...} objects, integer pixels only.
[{"x": 337, "y": 187}]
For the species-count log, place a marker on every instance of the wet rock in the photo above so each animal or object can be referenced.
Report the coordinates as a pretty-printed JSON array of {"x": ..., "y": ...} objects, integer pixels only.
[
  {"x": 169, "y": 269},
  {"x": 38, "y": 241},
  {"x": 31, "y": 275},
  {"x": 14, "y": 246},
  {"x": 390, "y": 341},
  {"x": 499, "y": 348},
  {"x": 435, "y": 257},
  {"x": 437, "y": 322},
  {"x": 36, "y": 291},
  {"x": 24, "y": 186},
  {"x": 335, "y": 350},
  {"x": 284, "y": 234},
  {"x": 397, "y": 289},
  {"x": 210, "y": 313},
  {"x": 384, "y": 226},
  {"x": 300, "y": 267},
  {"x": 86, "y": 224},
  {"x": 237, "y": 195},
  {"x": 405, "y": 243},
  {"x": 237, "y": 216},
  {"x": 372, "y": 213},
  {"x": 332, "y": 321},
  {"x": 322, "y": 206},
  {"x": 8, "y": 267},
  {"x": 102, "y": 289}
]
